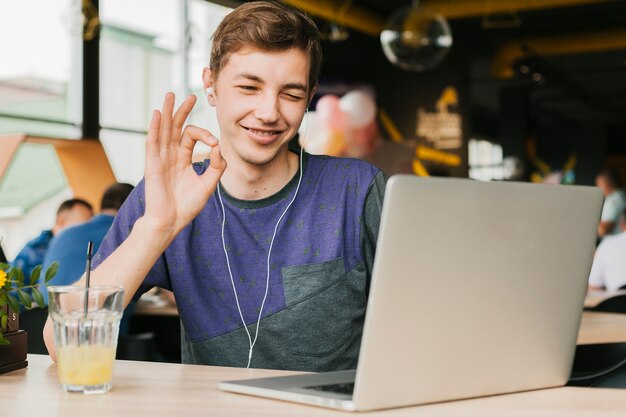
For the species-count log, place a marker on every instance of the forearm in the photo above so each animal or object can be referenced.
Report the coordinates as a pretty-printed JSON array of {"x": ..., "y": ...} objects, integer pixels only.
[
  {"x": 605, "y": 228},
  {"x": 127, "y": 267}
]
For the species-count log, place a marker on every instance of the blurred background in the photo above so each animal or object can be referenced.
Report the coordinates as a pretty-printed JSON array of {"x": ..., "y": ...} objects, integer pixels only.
[{"x": 525, "y": 90}]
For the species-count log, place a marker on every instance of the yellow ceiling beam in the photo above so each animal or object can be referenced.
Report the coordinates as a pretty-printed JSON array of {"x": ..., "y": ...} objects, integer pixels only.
[
  {"x": 364, "y": 20},
  {"x": 457, "y": 9},
  {"x": 507, "y": 54},
  {"x": 354, "y": 17}
]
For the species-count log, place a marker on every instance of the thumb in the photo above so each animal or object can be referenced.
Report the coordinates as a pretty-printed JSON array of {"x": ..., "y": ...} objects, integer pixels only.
[{"x": 216, "y": 168}]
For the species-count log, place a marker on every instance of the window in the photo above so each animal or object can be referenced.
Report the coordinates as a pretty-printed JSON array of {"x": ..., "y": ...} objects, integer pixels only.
[
  {"x": 485, "y": 160},
  {"x": 40, "y": 75},
  {"x": 150, "y": 47}
]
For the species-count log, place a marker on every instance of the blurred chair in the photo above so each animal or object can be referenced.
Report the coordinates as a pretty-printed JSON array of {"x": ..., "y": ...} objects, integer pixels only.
[
  {"x": 33, "y": 321},
  {"x": 594, "y": 364},
  {"x": 137, "y": 347},
  {"x": 615, "y": 379}
]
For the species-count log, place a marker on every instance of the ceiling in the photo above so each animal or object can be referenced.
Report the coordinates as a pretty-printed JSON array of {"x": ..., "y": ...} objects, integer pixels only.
[{"x": 577, "y": 46}]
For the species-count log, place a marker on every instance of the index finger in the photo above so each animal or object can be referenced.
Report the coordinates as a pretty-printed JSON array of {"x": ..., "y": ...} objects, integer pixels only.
[{"x": 182, "y": 113}]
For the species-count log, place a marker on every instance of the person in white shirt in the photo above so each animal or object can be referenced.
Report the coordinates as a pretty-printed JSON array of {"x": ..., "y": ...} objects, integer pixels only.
[
  {"x": 614, "y": 204},
  {"x": 608, "y": 271}
]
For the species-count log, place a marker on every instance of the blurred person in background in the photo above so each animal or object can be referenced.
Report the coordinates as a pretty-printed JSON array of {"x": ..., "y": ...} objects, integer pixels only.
[
  {"x": 69, "y": 213},
  {"x": 69, "y": 248},
  {"x": 614, "y": 204},
  {"x": 608, "y": 271}
]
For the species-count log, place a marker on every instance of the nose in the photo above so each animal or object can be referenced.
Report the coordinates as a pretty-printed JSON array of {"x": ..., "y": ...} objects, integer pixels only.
[{"x": 267, "y": 109}]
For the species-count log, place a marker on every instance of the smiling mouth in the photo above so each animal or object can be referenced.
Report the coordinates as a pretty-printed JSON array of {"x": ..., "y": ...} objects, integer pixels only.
[{"x": 262, "y": 132}]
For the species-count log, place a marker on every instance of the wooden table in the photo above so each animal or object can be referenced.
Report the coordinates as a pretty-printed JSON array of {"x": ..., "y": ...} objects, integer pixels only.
[
  {"x": 149, "y": 308},
  {"x": 165, "y": 390},
  {"x": 593, "y": 298},
  {"x": 158, "y": 389},
  {"x": 602, "y": 328}
]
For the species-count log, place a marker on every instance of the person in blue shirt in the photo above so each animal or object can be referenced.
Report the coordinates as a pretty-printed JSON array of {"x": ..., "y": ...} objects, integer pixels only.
[
  {"x": 69, "y": 213},
  {"x": 69, "y": 248}
]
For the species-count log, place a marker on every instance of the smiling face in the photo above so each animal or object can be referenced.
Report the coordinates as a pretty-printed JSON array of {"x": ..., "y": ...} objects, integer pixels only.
[{"x": 260, "y": 99}]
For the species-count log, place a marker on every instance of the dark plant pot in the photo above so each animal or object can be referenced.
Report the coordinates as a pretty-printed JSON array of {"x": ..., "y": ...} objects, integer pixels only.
[{"x": 13, "y": 356}]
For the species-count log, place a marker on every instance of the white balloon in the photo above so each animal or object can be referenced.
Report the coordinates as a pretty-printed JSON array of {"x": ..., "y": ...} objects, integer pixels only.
[
  {"x": 359, "y": 107},
  {"x": 310, "y": 128}
]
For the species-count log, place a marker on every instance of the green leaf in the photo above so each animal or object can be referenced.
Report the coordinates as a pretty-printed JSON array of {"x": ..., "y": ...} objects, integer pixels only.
[
  {"x": 19, "y": 276},
  {"x": 24, "y": 298},
  {"x": 38, "y": 297},
  {"x": 4, "y": 321},
  {"x": 4, "y": 267},
  {"x": 3, "y": 340},
  {"x": 13, "y": 303},
  {"x": 12, "y": 275},
  {"x": 34, "y": 276},
  {"x": 51, "y": 271}
]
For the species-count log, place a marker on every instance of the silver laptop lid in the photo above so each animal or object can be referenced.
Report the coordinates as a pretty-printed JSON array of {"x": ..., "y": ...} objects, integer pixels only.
[{"x": 477, "y": 289}]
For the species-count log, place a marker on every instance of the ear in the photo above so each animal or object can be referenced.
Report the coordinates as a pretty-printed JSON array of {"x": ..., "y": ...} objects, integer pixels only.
[{"x": 207, "y": 82}]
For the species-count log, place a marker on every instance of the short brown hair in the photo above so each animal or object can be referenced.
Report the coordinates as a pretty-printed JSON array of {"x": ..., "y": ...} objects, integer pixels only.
[
  {"x": 610, "y": 176},
  {"x": 115, "y": 195},
  {"x": 269, "y": 26},
  {"x": 71, "y": 203}
]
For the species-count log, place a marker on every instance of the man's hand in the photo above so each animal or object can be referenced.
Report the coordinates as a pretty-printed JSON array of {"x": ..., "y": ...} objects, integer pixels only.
[{"x": 175, "y": 194}]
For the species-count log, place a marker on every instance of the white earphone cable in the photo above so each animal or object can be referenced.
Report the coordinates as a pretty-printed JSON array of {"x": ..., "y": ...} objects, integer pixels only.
[{"x": 269, "y": 253}]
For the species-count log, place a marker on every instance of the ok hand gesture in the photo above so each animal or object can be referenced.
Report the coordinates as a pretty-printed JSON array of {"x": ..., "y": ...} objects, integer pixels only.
[{"x": 175, "y": 194}]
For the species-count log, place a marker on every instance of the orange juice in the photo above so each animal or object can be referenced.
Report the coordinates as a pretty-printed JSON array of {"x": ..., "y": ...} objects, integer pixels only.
[{"x": 85, "y": 365}]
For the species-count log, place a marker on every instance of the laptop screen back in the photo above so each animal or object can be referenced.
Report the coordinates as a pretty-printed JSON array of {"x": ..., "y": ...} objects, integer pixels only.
[{"x": 477, "y": 289}]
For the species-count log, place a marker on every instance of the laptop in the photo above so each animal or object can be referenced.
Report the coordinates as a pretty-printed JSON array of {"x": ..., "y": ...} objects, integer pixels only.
[{"x": 477, "y": 289}]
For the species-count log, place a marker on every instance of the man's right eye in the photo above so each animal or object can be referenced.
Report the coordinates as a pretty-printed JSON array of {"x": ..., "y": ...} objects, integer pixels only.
[{"x": 247, "y": 87}]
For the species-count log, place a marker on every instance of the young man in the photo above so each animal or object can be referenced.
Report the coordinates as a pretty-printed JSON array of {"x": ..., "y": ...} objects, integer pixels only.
[{"x": 290, "y": 244}]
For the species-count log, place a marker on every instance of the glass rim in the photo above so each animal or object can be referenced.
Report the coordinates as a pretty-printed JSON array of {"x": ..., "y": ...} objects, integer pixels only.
[{"x": 82, "y": 288}]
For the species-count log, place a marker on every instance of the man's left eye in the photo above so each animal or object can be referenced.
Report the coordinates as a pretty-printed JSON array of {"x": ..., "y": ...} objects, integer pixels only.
[{"x": 294, "y": 97}]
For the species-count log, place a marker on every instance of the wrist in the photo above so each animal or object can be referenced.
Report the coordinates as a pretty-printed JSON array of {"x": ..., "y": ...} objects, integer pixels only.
[{"x": 154, "y": 233}]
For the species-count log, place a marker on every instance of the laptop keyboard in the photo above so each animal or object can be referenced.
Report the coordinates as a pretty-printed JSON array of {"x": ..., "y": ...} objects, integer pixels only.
[{"x": 343, "y": 388}]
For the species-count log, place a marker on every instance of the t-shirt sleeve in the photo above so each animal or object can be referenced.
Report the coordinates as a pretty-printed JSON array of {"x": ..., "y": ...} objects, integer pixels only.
[
  {"x": 132, "y": 209},
  {"x": 370, "y": 220},
  {"x": 596, "y": 277},
  {"x": 610, "y": 210}
]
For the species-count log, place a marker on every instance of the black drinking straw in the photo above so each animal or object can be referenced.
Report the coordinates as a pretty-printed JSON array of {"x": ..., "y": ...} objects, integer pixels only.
[{"x": 87, "y": 273}]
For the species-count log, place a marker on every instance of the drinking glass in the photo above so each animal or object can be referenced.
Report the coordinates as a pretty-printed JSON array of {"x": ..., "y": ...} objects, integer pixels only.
[{"x": 86, "y": 325}]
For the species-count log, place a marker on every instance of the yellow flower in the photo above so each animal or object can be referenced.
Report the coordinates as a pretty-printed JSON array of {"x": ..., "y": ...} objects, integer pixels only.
[{"x": 3, "y": 278}]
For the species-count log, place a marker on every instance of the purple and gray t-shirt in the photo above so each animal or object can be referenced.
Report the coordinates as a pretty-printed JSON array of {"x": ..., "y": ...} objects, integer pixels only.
[{"x": 320, "y": 268}]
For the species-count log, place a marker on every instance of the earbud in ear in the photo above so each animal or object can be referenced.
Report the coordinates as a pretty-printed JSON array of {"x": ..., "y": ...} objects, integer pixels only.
[{"x": 208, "y": 91}]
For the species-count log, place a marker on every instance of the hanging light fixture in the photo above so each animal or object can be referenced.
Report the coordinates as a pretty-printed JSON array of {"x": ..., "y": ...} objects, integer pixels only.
[
  {"x": 416, "y": 39},
  {"x": 335, "y": 31}
]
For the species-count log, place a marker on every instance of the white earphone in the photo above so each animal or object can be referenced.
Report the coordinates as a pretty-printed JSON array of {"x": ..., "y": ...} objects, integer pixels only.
[
  {"x": 208, "y": 91},
  {"x": 269, "y": 252}
]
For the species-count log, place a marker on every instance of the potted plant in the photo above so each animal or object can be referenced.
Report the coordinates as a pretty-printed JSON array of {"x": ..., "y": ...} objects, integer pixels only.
[{"x": 15, "y": 293}]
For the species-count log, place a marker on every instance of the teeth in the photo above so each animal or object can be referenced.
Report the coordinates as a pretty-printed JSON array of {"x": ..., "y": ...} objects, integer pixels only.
[{"x": 263, "y": 132}]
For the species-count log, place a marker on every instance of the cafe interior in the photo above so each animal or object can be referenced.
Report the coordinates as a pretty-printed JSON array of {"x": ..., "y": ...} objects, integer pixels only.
[{"x": 490, "y": 91}]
